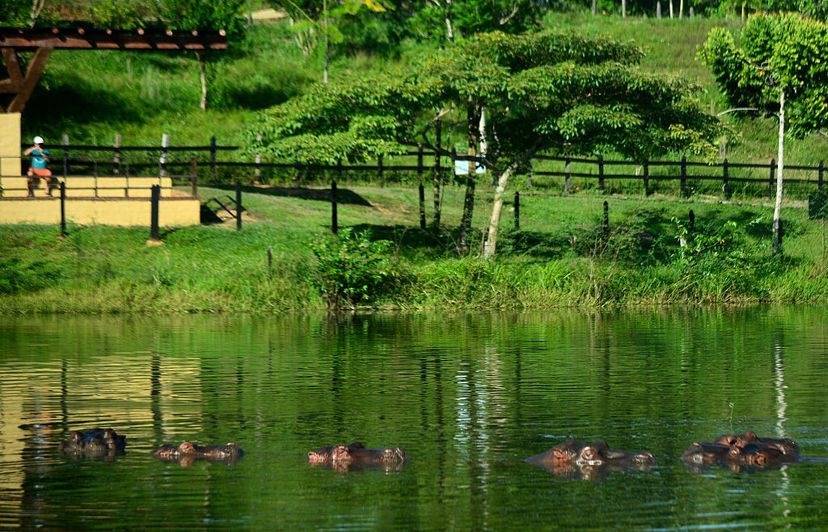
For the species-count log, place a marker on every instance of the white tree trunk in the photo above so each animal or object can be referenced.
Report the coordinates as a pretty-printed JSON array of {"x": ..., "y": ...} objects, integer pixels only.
[
  {"x": 202, "y": 75},
  {"x": 491, "y": 240},
  {"x": 681, "y": 8},
  {"x": 623, "y": 8},
  {"x": 671, "y": 8},
  {"x": 777, "y": 207},
  {"x": 484, "y": 146}
]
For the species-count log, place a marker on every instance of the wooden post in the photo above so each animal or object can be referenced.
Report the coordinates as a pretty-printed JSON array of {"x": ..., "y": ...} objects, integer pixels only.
[
  {"x": 772, "y": 178},
  {"x": 606, "y": 218},
  {"x": 647, "y": 190},
  {"x": 437, "y": 177},
  {"x": 334, "y": 220},
  {"x": 819, "y": 182},
  {"x": 155, "y": 196},
  {"x": 213, "y": 158},
  {"x": 162, "y": 162},
  {"x": 420, "y": 187},
  {"x": 116, "y": 158},
  {"x": 65, "y": 140},
  {"x": 568, "y": 177},
  {"x": 725, "y": 180},
  {"x": 270, "y": 261},
  {"x": 63, "y": 208},
  {"x": 238, "y": 206},
  {"x": 194, "y": 177},
  {"x": 683, "y": 176},
  {"x": 380, "y": 171},
  {"x": 258, "y": 158},
  {"x": 601, "y": 173},
  {"x": 691, "y": 228},
  {"x": 517, "y": 211}
]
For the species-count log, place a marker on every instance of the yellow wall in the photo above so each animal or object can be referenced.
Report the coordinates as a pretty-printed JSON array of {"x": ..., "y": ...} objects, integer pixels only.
[
  {"x": 10, "y": 136},
  {"x": 171, "y": 212}
]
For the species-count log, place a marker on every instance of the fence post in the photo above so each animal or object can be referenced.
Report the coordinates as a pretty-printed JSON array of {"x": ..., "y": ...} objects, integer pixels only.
[
  {"x": 772, "y": 178},
  {"x": 63, "y": 208},
  {"x": 691, "y": 228},
  {"x": 270, "y": 261},
  {"x": 194, "y": 176},
  {"x": 568, "y": 178},
  {"x": 606, "y": 217},
  {"x": 162, "y": 162},
  {"x": 819, "y": 184},
  {"x": 238, "y": 206},
  {"x": 646, "y": 177},
  {"x": 381, "y": 172},
  {"x": 258, "y": 158},
  {"x": 420, "y": 187},
  {"x": 725, "y": 180},
  {"x": 601, "y": 173},
  {"x": 213, "y": 158},
  {"x": 65, "y": 140},
  {"x": 517, "y": 211},
  {"x": 334, "y": 220},
  {"x": 155, "y": 196},
  {"x": 683, "y": 176},
  {"x": 117, "y": 156}
]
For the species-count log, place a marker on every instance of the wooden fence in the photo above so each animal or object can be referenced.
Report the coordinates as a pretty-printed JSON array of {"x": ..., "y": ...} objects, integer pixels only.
[{"x": 75, "y": 159}]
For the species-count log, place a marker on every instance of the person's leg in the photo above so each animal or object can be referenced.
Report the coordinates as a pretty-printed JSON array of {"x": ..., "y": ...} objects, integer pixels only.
[{"x": 30, "y": 183}]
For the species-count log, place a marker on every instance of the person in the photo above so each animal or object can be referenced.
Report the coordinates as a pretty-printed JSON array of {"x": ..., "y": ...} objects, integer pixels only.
[{"x": 38, "y": 168}]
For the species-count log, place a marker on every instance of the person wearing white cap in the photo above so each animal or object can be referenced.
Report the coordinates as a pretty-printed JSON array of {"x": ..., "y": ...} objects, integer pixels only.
[{"x": 38, "y": 168}]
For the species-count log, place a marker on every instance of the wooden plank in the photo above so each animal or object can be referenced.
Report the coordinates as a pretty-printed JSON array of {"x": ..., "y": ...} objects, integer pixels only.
[
  {"x": 33, "y": 72},
  {"x": 13, "y": 66}
]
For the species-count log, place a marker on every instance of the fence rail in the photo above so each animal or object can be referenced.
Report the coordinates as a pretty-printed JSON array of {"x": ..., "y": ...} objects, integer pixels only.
[{"x": 126, "y": 161}]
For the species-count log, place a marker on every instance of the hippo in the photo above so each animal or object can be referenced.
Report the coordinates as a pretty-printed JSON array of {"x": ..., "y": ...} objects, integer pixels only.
[
  {"x": 738, "y": 451},
  {"x": 355, "y": 455},
  {"x": 94, "y": 443},
  {"x": 187, "y": 452},
  {"x": 576, "y": 459},
  {"x": 784, "y": 445}
]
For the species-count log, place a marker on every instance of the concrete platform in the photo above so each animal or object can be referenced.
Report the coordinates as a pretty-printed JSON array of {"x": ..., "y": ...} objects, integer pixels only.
[
  {"x": 172, "y": 211},
  {"x": 89, "y": 187}
]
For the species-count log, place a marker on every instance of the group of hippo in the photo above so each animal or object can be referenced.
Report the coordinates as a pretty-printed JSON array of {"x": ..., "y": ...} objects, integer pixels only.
[
  {"x": 572, "y": 458},
  {"x": 106, "y": 444}
]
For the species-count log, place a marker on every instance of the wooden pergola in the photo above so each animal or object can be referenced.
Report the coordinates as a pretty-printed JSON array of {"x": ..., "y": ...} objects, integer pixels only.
[{"x": 43, "y": 41}]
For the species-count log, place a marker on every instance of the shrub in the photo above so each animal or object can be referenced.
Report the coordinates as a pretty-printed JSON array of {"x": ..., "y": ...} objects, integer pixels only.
[{"x": 351, "y": 269}]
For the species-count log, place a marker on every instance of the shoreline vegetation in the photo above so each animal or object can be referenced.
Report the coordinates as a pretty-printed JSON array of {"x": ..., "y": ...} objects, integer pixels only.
[{"x": 563, "y": 256}]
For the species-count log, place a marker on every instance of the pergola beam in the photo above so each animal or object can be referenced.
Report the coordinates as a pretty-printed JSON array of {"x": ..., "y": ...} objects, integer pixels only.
[
  {"x": 96, "y": 39},
  {"x": 43, "y": 41}
]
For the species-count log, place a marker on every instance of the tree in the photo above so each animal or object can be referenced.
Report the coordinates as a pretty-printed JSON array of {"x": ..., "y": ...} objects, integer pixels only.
[
  {"x": 227, "y": 15},
  {"x": 455, "y": 19},
  {"x": 542, "y": 91},
  {"x": 323, "y": 18},
  {"x": 780, "y": 66}
]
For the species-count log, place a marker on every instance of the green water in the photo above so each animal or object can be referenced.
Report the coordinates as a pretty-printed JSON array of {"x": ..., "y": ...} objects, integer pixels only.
[{"x": 468, "y": 396}]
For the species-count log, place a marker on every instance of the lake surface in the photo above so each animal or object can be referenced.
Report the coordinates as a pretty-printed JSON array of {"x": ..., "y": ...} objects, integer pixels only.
[{"x": 468, "y": 396}]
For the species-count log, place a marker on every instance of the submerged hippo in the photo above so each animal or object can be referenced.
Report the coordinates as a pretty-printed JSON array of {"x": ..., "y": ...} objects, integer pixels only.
[
  {"x": 187, "y": 452},
  {"x": 576, "y": 459},
  {"x": 784, "y": 445},
  {"x": 94, "y": 443},
  {"x": 355, "y": 455},
  {"x": 739, "y": 450}
]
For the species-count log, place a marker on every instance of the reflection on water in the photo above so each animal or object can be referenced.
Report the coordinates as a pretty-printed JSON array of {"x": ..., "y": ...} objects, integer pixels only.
[{"x": 469, "y": 397}]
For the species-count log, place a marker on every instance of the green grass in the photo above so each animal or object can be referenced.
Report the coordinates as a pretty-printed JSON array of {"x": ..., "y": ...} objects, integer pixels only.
[{"x": 561, "y": 257}]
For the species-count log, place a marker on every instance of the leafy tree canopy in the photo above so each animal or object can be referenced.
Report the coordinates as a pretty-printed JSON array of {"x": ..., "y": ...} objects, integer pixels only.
[
  {"x": 775, "y": 52},
  {"x": 542, "y": 92}
]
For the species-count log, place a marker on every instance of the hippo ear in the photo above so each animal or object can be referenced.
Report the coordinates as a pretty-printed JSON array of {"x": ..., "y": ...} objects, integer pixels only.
[
  {"x": 750, "y": 436},
  {"x": 357, "y": 445}
]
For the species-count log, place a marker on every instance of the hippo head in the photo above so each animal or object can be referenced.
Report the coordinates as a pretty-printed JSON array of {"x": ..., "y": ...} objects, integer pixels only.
[
  {"x": 643, "y": 458},
  {"x": 340, "y": 454},
  {"x": 318, "y": 457},
  {"x": 166, "y": 452},
  {"x": 186, "y": 447},
  {"x": 567, "y": 451},
  {"x": 595, "y": 453}
]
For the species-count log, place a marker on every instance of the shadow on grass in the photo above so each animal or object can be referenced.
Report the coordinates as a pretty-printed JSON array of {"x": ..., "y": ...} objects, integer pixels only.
[{"x": 343, "y": 195}]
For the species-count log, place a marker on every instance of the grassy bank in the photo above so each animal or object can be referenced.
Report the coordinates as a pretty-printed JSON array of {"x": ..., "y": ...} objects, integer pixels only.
[{"x": 562, "y": 256}]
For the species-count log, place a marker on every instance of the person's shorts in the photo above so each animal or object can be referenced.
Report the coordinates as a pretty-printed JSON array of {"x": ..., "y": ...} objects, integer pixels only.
[{"x": 40, "y": 172}]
